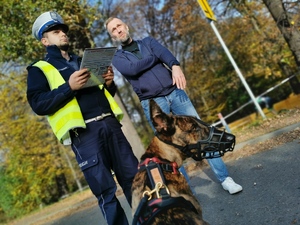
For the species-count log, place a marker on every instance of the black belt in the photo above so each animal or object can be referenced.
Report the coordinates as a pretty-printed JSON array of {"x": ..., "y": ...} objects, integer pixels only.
[{"x": 97, "y": 118}]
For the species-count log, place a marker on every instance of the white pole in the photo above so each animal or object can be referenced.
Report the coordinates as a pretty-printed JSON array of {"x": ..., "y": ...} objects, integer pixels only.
[
  {"x": 237, "y": 70},
  {"x": 224, "y": 122}
]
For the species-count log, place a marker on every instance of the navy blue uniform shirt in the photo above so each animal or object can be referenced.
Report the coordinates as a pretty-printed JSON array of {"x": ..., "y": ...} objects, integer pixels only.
[{"x": 146, "y": 72}]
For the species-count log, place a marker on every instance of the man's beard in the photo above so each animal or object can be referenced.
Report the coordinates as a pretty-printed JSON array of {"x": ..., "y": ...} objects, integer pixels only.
[
  {"x": 124, "y": 41},
  {"x": 64, "y": 47}
]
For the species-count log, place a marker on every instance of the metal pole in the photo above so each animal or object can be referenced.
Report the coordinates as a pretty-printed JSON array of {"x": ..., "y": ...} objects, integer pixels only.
[
  {"x": 237, "y": 70},
  {"x": 224, "y": 122},
  {"x": 73, "y": 170}
]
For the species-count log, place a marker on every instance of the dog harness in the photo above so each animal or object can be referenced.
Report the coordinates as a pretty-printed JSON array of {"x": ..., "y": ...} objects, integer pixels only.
[{"x": 149, "y": 206}]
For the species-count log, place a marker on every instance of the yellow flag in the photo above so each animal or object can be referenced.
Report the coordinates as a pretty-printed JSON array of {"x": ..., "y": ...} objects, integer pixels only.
[{"x": 207, "y": 10}]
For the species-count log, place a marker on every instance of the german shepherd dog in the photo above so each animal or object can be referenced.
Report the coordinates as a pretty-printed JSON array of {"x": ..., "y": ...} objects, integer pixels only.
[{"x": 160, "y": 194}]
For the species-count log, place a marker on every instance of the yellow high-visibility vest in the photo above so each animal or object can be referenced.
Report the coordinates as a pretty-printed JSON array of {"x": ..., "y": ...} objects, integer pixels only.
[{"x": 69, "y": 116}]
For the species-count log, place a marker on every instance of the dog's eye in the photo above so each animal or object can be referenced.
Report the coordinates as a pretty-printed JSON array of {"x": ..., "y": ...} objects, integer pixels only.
[
  {"x": 193, "y": 128},
  {"x": 196, "y": 128}
]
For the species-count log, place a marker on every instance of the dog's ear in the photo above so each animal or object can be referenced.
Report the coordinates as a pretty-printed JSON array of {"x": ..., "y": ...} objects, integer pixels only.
[
  {"x": 162, "y": 122},
  {"x": 155, "y": 110}
]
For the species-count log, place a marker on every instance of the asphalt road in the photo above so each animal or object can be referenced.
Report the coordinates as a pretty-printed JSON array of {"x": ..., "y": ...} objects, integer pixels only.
[{"x": 271, "y": 195}]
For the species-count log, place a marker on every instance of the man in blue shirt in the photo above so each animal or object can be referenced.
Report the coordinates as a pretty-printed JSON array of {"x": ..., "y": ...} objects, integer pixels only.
[{"x": 155, "y": 73}]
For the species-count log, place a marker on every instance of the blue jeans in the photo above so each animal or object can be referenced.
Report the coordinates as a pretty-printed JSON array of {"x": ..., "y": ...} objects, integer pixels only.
[{"x": 178, "y": 103}]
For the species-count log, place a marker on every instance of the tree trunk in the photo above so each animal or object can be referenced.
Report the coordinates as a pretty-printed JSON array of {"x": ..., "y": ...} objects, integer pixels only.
[
  {"x": 130, "y": 132},
  {"x": 287, "y": 27},
  {"x": 295, "y": 85}
]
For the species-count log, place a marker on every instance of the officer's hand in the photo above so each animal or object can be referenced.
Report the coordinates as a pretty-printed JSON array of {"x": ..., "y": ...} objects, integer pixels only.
[
  {"x": 109, "y": 76},
  {"x": 79, "y": 78}
]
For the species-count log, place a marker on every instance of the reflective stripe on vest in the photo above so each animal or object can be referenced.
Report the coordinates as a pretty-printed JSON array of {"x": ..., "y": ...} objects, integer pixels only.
[
  {"x": 69, "y": 116},
  {"x": 113, "y": 104}
]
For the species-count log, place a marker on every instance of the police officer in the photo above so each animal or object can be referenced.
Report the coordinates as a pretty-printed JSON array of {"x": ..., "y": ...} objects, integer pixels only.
[{"x": 85, "y": 118}]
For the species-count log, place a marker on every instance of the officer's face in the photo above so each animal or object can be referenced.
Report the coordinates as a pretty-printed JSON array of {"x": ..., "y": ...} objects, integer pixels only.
[{"x": 56, "y": 37}]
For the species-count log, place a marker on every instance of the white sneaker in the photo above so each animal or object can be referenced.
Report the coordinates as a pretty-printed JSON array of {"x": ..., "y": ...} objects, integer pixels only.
[{"x": 229, "y": 185}]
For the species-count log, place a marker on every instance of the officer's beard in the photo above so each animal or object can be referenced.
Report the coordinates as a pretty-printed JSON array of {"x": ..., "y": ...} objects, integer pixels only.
[{"x": 64, "y": 47}]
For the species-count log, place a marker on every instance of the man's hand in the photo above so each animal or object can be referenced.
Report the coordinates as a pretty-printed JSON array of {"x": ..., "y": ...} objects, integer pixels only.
[
  {"x": 109, "y": 76},
  {"x": 178, "y": 77},
  {"x": 79, "y": 78}
]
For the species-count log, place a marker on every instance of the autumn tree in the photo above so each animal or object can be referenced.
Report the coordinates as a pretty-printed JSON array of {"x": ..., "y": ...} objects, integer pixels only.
[
  {"x": 254, "y": 42},
  {"x": 33, "y": 172},
  {"x": 16, "y": 40},
  {"x": 286, "y": 16}
]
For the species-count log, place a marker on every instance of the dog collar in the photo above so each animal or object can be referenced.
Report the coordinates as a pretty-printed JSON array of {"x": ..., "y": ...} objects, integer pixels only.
[{"x": 166, "y": 165}]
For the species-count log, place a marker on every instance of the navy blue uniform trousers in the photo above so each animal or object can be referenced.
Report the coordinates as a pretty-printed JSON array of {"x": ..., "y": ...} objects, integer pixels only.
[{"x": 100, "y": 148}]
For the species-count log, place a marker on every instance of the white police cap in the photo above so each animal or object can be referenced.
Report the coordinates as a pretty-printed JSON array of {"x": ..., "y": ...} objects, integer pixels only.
[{"x": 45, "y": 21}]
